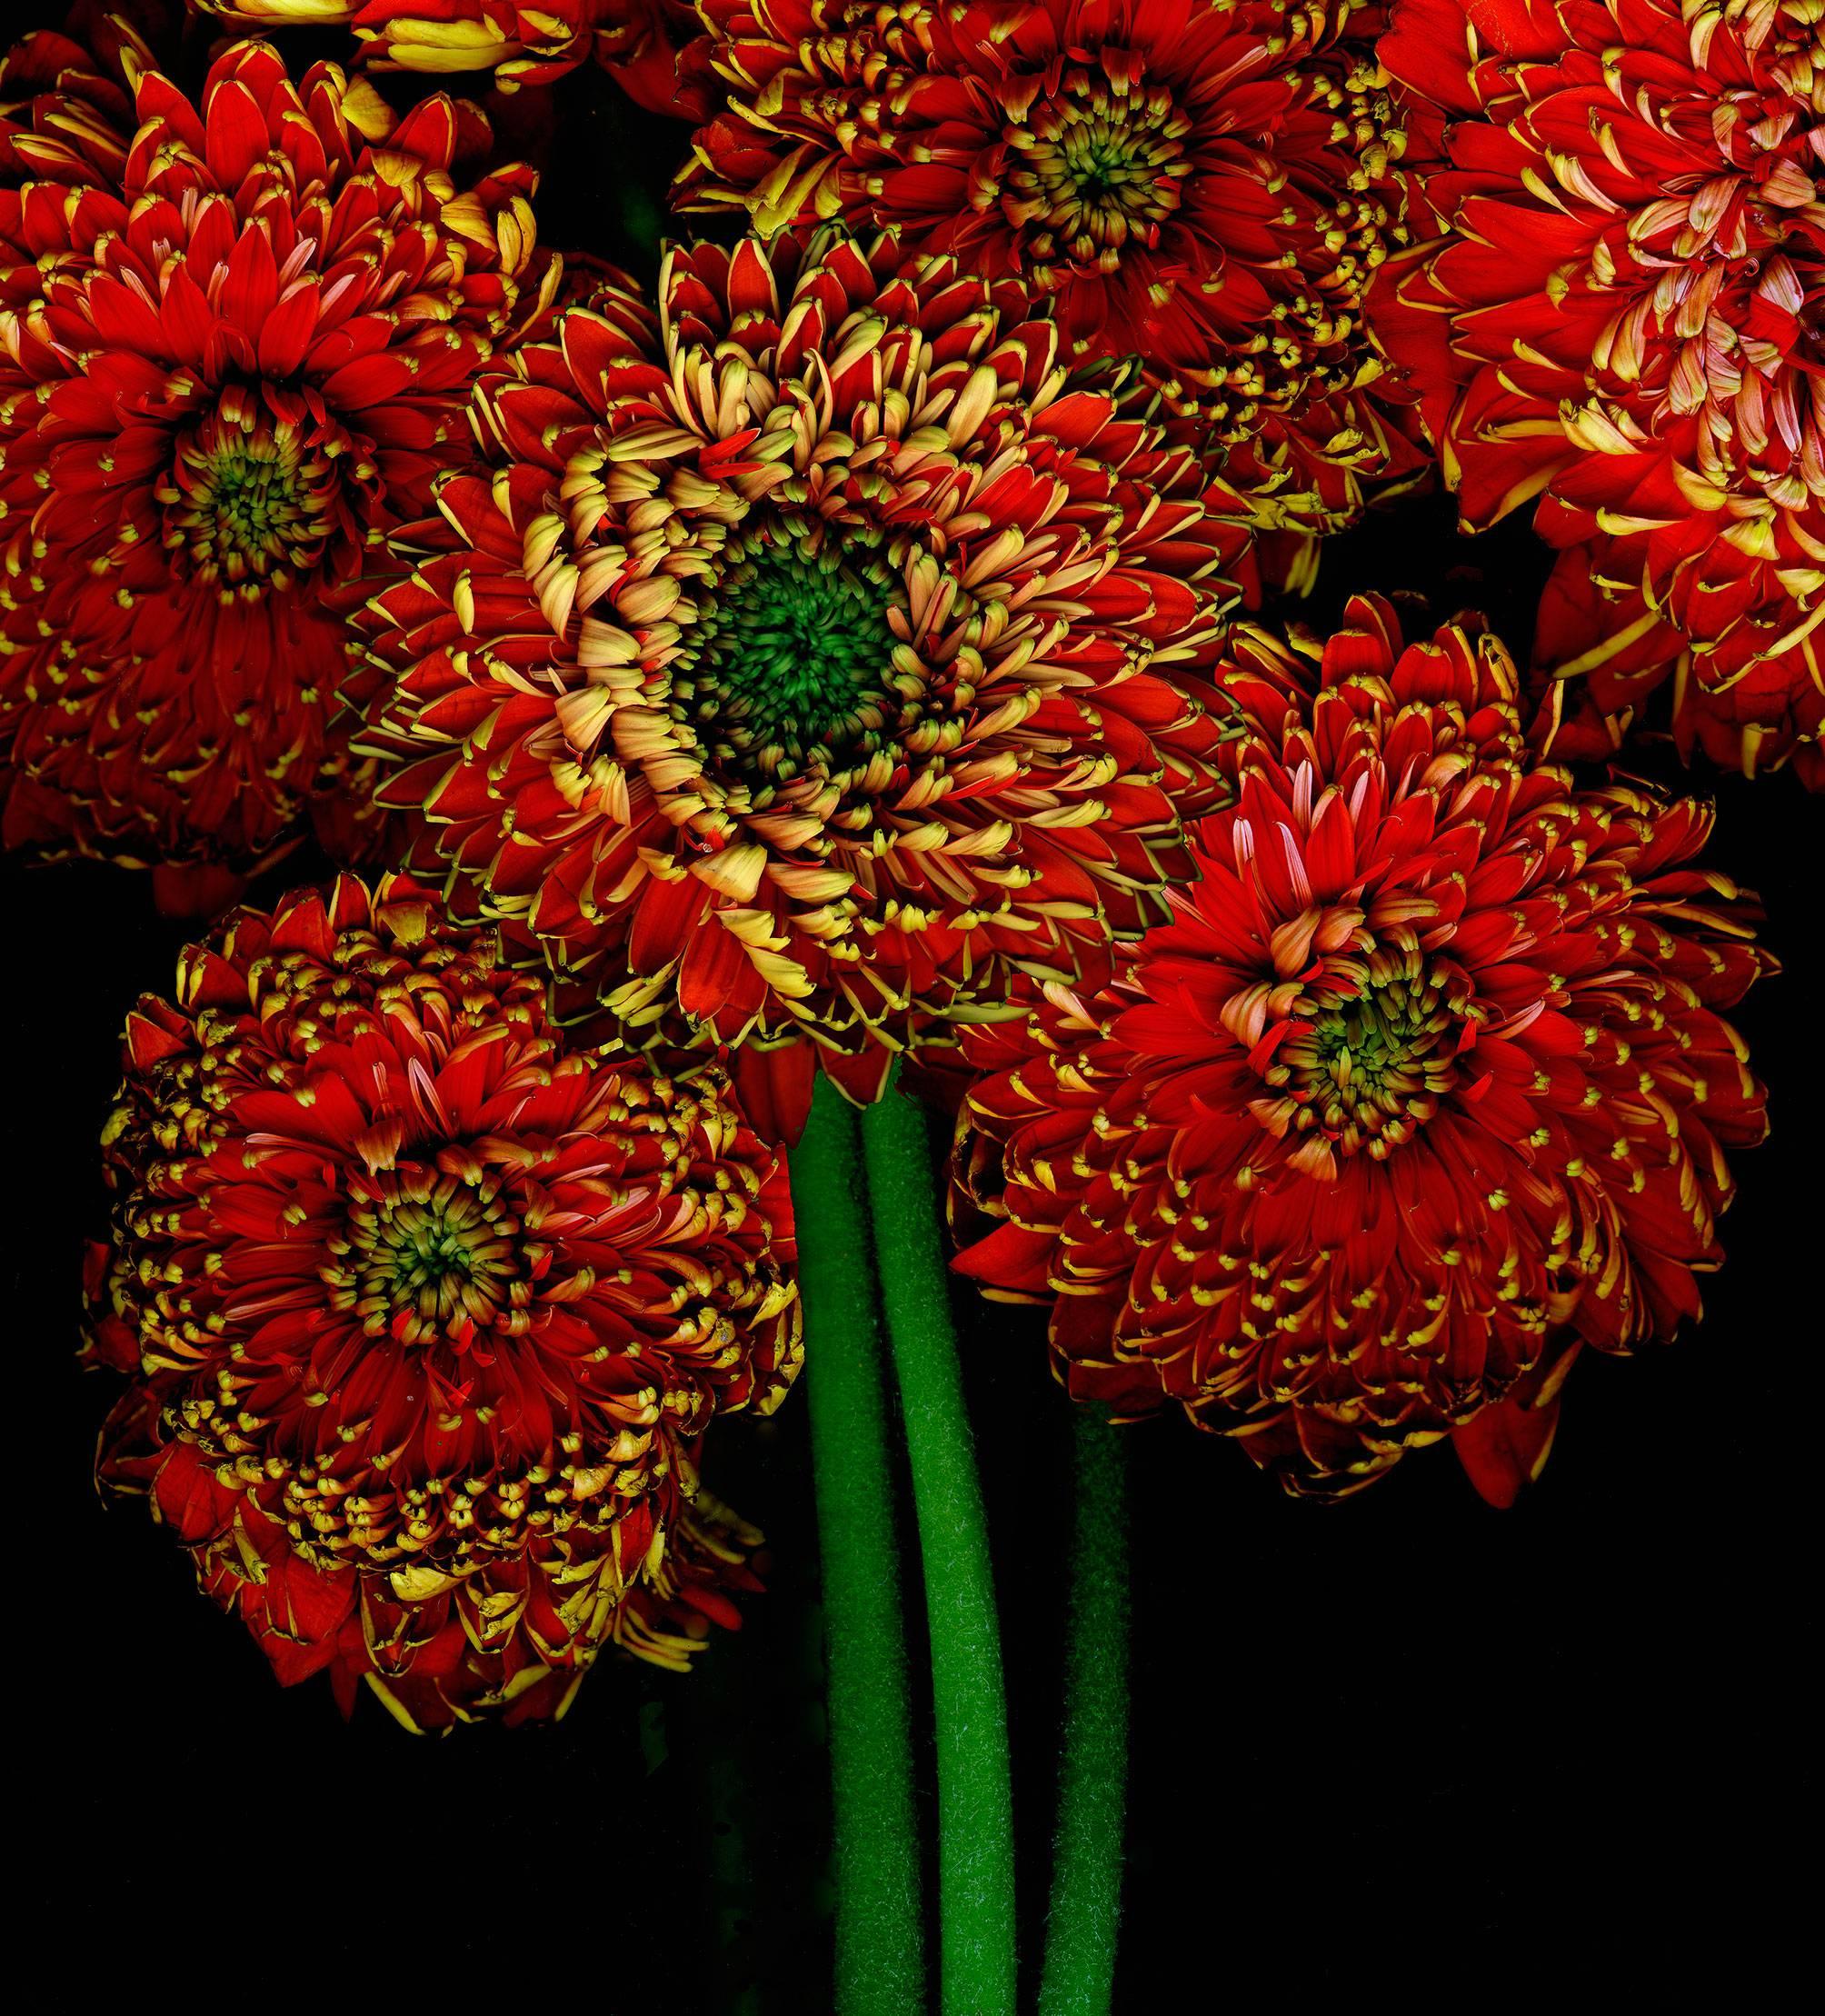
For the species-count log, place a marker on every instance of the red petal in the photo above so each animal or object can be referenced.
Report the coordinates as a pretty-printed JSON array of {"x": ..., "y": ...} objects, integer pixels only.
[
  {"x": 286, "y": 332},
  {"x": 146, "y": 1043},
  {"x": 237, "y": 136},
  {"x": 1011, "y": 1258},
  {"x": 774, "y": 1088},
  {"x": 252, "y": 285},
  {"x": 202, "y": 891},
  {"x": 1504, "y": 1448}
]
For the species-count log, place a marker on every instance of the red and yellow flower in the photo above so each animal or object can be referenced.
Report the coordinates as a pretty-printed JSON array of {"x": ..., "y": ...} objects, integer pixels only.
[
  {"x": 236, "y": 340},
  {"x": 519, "y": 43},
  {"x": 1209, "y": 186},
  {"x": 426, "y": 1315},
  {"x": 1423, "y": 1087},
  {"x": 815, "y": 655},
  {"x": 65, "y": 111},
  {"x": 1622, "y": 319},
  {"x": 262, "y": 14}
]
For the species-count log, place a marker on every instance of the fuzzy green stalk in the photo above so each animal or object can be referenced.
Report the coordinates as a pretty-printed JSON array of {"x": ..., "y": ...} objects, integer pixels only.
[
  {"x": 975, "y": 1801},
  {"x": 1079, "y": 1974},
  {"x": 879, "y": 1956}
]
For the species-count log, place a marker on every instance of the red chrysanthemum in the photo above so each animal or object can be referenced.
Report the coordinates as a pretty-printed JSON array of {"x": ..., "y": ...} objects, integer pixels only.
[
  {"x": 815, "y": 656},
  {"x": 1624, "y": 319},
  {"x": 426, "y": 1315},
  {"x": 1211, "y": 186},
  {"x": 1422, "y": 1087},
  {"x": 237, "y": 341}
]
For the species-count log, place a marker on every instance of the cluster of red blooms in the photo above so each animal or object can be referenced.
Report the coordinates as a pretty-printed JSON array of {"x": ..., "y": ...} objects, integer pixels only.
[
  {"x": 1211, "y": 186},
  {"x": 842, "y": 651}
]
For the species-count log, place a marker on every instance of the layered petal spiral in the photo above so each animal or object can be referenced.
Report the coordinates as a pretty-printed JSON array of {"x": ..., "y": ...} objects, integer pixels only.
[
  {"x": 425, "y": 1313},
  {"x": 236, "y": 340},
  {"x": 1423, "y": 1087},
  {"x": 808, "y": 657}
]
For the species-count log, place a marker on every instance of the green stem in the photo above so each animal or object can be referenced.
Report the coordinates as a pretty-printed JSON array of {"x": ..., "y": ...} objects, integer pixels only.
[
  {"x": 1079, "y": 1974},
  {"x": 975, "y": 1804},
  {"x": 880, "y": 1958}
]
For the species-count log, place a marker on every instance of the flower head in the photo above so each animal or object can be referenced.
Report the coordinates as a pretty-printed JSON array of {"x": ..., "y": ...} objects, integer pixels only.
[
  {"x": 1422, "y": 1086},
  {"x": 1622, "y": 319},
  {"x": 238, "y": 340},
  {"x": 425, "y": 1313},
  {"x": 816, "y": 654},
  {"x": 1211, "y": 187}
]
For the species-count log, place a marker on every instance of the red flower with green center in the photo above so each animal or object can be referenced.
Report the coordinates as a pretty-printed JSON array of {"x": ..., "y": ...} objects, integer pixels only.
[
  {"x": 1209, "y": 186},
  {"x": 238, "y": 344},
  {"x": 814, "y": 658},
  {"x": 426, "y": 1315},
  {"x": 1622, "y": 319},
  {"x": 1422, "y": 1087}
]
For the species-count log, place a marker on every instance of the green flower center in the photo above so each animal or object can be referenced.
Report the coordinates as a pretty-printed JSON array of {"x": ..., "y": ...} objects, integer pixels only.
[
  {"x": 1370, "y": 1070},
  {"x": 1095, "y": 166},
  {"x": 427, "y": 1254},
  {"x": 793, "y": 663},
  {"x": 249, "y": 503},
  {"x": 428, "y": 1257}
]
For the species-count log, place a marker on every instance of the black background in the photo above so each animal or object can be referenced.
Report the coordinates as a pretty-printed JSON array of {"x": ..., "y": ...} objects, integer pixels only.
[{"x": 1406, "y": 1746}]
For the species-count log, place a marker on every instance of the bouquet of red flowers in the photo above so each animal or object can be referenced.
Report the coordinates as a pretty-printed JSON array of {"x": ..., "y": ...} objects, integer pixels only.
[{"x": 794, "y": 666}]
